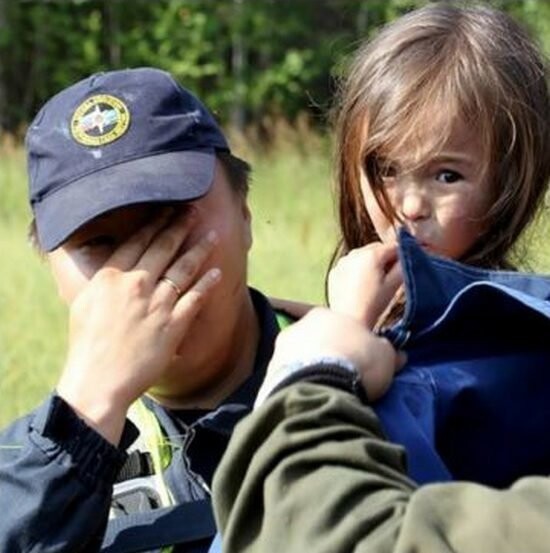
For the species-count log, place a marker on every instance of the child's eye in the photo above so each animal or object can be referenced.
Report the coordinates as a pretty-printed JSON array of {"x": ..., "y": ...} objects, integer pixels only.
[{"x": 448, "y": 176}]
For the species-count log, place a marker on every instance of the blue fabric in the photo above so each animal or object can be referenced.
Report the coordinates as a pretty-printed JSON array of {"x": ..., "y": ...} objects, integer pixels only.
[
  {"x": 151, "y": 531},
  {"x": 473, "y": 401},
  {"x": 217, "y": 545}
]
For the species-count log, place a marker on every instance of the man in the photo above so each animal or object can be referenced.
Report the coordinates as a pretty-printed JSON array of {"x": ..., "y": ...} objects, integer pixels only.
[{"x": 141, "y": 211}]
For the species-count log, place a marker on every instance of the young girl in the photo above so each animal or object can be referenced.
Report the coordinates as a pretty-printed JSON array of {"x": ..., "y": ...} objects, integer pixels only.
[{"x": 443, "y": 130}]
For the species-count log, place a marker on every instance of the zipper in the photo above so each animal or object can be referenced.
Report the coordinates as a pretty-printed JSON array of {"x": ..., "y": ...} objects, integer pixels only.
[{"x": 189, "y": 435}]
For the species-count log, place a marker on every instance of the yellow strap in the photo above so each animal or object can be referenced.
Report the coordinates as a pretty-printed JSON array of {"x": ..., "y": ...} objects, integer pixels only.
[
  {"x": 283, "y": 320},
  {"x": 155, "y": 443}
]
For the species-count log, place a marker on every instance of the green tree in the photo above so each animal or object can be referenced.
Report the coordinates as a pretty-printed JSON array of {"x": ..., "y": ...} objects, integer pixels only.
[{"x": 248, "y": 59}]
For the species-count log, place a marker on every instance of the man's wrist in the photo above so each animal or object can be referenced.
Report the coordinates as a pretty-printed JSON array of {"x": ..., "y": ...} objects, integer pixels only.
[
  {"x": 104, "y": 414},
  {"x": 60, "y": 433}
]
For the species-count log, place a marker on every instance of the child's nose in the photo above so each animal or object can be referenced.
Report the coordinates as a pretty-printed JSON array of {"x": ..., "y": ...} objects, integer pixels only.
[{"x": 415, "y": 204}]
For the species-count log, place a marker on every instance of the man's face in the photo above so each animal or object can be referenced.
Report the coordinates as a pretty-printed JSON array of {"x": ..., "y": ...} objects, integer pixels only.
[{"x": 84, "y": 253}]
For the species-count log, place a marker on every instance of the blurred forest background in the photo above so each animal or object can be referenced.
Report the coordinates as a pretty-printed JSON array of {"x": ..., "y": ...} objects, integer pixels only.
[
  {"x": 247, "y": 59},
  {"x": 268, "y": 69}
]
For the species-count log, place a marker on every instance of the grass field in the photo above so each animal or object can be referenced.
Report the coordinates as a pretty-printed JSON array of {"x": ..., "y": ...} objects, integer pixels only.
[{"x": 294, "y": 234}]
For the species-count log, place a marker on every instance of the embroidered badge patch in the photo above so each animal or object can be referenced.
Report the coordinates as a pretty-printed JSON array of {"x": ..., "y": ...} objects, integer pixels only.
[{"x": 99, "y": 120}]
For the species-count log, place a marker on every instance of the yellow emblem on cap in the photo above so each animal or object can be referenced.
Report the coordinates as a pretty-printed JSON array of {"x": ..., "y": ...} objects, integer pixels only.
[{"x": 99, "y": 120}]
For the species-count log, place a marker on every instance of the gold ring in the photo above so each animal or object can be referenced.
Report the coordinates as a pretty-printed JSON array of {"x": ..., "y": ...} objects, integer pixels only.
[{"x": 175, "y": 287}]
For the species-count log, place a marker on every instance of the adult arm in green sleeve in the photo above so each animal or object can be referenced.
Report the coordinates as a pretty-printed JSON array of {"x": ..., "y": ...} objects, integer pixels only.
[{"x": 310, "y": 471}]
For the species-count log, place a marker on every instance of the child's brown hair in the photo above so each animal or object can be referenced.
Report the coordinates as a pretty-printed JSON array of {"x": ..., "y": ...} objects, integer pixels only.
[{"x": 471, "y": 63}]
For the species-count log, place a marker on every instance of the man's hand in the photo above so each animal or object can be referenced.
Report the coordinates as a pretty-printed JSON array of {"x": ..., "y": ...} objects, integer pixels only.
[
  {"x": 126, "y": 325},
  {"x": 296, "y": 309},
  {"x": 363, "y": 283}
]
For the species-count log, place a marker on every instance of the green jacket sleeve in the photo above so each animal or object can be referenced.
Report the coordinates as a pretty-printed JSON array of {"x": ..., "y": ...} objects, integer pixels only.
[{"x": 310, "y": 471}]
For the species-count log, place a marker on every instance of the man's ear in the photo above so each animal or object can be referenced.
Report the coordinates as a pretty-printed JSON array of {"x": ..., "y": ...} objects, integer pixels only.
[
  {"x": 61, "y": 293},
  {"x": 247, "y": 222}
]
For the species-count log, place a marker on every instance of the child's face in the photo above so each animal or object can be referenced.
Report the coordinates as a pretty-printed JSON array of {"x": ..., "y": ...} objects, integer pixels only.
[{"x": 440, "y": 201}]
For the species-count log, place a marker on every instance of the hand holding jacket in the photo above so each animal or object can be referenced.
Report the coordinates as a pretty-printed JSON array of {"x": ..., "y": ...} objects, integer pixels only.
[
  {"x": 310, "y": 470},
  {"x": 364, "y": 283},
  {"x": 324, "y": 334}
]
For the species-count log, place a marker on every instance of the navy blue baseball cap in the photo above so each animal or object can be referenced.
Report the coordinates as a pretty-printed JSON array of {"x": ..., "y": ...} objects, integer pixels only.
[{"x": 115, "y": 139}]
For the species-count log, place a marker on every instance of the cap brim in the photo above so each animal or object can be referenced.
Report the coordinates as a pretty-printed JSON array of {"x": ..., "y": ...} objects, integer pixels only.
[{"x": 173, "y": 176}]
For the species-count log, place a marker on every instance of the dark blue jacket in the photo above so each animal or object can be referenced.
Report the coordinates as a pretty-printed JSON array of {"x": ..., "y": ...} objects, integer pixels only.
[
  {"x": 57, "y": 474},
  {"x": 474, "y": 399}
]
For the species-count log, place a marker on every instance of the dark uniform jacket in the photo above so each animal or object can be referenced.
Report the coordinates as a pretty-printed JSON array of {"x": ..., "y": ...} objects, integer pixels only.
[{"x": 57, "y": 474}]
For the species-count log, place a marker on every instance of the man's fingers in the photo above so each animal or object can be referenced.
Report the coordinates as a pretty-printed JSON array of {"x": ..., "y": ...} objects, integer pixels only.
[
  {"x": 184, "y": 270},
  {"x": 189, "y": 304},
  {"x": 127, "y": 255},
  {"x": 296, "y": 309},
  {"x": 165, "y": 246}
]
